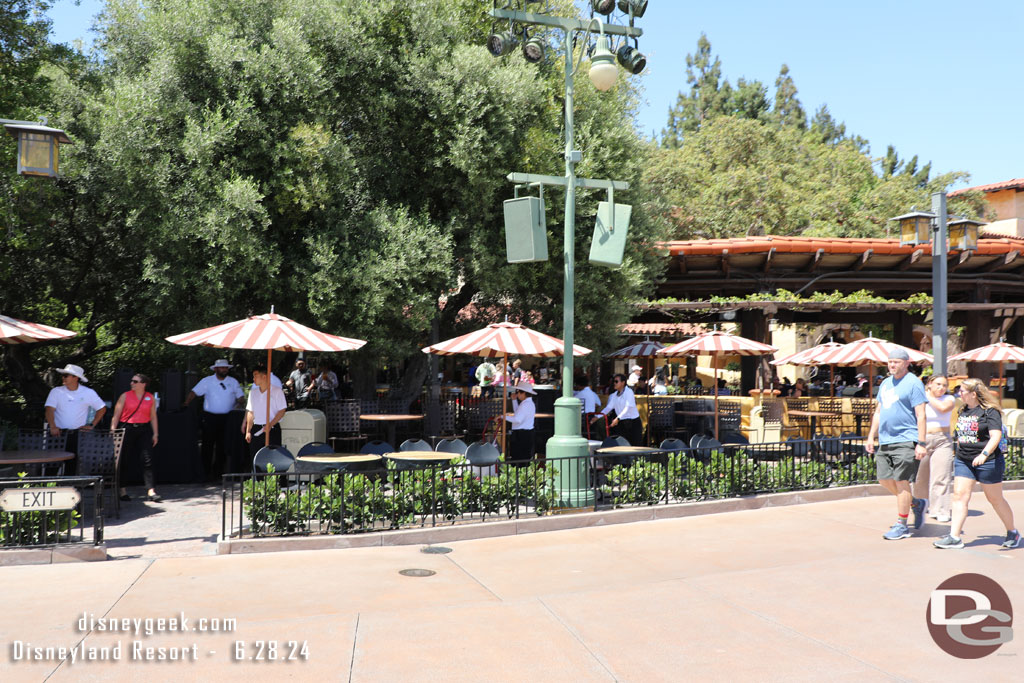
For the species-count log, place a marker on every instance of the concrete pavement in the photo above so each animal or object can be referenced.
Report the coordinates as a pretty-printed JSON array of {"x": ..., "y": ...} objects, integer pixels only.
[{"x": 806, "y": 592}]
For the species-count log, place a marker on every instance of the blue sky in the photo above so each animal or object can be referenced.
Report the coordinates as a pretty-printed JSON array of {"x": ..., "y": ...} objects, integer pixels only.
[{"x": 936, "y": 78}]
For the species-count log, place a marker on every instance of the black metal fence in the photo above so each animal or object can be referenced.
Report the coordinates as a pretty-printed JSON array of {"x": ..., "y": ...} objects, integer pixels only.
[{"x": 34, "y": 528}]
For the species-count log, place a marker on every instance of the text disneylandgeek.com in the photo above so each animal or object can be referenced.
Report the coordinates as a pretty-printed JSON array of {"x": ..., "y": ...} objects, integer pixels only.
[{"x": 137, "y": 649}]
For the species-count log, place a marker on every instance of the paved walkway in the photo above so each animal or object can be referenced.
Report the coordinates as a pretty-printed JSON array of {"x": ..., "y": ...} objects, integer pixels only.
[
  {"x": 184, "y": 524},
  {"x": 808, "y": 592}
]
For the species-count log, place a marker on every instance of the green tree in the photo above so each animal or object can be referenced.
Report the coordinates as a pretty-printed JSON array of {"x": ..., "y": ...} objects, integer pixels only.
[
  {"x": 709, "y": 96},
  {"x": 342, "y": 161},
  {"x": 788, "y": 111}
]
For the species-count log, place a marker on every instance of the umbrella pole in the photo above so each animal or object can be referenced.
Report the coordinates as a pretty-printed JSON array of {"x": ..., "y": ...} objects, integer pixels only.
[
  {"x": 832, "y": 378},
  {"x": 270, "y": 385},
  {"x": 1001, "y": 385},
  {"x": 504, "y": 402}
]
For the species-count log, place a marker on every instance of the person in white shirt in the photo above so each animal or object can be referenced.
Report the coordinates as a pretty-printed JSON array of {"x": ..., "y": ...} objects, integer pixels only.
[
  {"x": 521, "y": 445},
  {"x": 325, "y": 383},
  {"x": 583, "y": 392},
  {"x": 220, "y": 393},
  {"x": 256, "y": 423},
  {"x": 633, "y": 380},
  {"x": 627, "y": 417},
  {"x": 657, "y": 384},
  {"x": 67, "y": 407}
]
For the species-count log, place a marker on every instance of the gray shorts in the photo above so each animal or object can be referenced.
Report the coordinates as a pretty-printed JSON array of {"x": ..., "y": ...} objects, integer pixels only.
[{"x": 896, "y": 461}]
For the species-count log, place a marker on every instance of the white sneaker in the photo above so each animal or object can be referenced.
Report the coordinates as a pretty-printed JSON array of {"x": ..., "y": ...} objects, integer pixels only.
[{"x": 943, "y": 519}]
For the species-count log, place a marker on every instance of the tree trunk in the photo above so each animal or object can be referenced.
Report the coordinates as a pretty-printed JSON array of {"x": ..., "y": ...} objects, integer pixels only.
[{"x": 18, "y": 364}]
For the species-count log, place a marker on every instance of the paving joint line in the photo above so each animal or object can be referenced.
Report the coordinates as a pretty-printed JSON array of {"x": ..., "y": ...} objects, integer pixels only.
[
  {"x": 149, "y": 563},
  {"x": 355, "y": 638},
  {"x": 478, "y": 581},
  {"x": 575, "y": 634}
]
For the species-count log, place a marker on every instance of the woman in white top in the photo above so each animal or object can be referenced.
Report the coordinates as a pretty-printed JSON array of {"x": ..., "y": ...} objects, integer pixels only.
[
  {"x": 521, "y": 446},
  {"x": 935, "y": 470}
]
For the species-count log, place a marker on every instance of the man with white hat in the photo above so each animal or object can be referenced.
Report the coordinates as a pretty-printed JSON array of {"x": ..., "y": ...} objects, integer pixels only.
[
  {"x": 521, "y": 442},
  {"x": 633, "y": 381},
  {"x": 220, "y": 392},
  {"x": 67, "y": 406}
]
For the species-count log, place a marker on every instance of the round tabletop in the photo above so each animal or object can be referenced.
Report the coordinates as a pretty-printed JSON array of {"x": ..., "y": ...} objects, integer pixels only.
[
  {"x": 358, "y": 457},
  {"x": 389, "y": 417},
  {"x": 31, "y": 457},
  {"x": 421, "y": 456},
  {"x": 628, "y": 450}
]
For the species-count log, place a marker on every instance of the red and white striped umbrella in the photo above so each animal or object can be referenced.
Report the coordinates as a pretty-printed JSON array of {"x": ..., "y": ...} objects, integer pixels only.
[
  {"x": 269, "y": 331},
  {"x": 14, "y": 331},
  {"x": 502, "y": 339},
  {"x": 718, "y": 344},
  {"x": 869, "y": 350},
  {"x": 1000, "y": 352},
  {"x": 644, "y": 349},
  {"x": 811, "y": 356}
]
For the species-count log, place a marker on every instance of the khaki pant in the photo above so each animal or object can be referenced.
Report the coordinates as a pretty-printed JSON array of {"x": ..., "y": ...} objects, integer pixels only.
[{"x": 935, "y": 475}]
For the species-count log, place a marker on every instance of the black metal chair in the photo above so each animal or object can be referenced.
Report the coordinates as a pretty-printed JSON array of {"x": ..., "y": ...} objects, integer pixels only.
[
  {"x": 453, "y": 445},
  {"x": 343, "y": 426},
  {"x": 415, "y": 445},
  {"x": 377, "y": 447},
  {"x": 483, "y": 456},
  {"x": 800, "y": 448},
  {"x": 315, "y": 448},
  {"x": 278, "y": 456},
  {"x": 99, "y": 454}
]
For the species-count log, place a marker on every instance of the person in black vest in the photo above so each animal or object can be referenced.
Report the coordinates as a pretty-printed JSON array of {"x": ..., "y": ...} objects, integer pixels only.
[{"x": 521, "y": 444}]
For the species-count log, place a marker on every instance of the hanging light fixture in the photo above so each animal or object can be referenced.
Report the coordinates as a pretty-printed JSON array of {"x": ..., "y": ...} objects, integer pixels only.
[
  {"x": 631, "y": 59},
  {"x": 500, "y": 43},
  {"x": 603, "y": 71},
  {"x": 533, "y": 48},
  {"x": 634, "y": 7}
]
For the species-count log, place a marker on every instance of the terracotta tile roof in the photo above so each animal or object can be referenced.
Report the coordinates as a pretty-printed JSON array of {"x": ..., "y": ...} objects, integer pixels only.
[
  {"x": 831, "y": 245},
  {"x": 662, "y": 328},
  {"x": 1015, "y": 184}
]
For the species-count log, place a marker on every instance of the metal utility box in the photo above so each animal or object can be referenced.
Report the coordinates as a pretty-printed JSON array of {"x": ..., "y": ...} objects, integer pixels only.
[
  {"x": 526, "y": 236},
  {"x": 299, "y": 427},
  {"x": 609, "y": 245}
]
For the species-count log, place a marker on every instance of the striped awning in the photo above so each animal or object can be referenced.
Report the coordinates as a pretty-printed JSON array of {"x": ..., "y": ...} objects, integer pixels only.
[
  {"x": 644, "y": 349},
  {"x": 499, "y": 339},
  {"x": 869, "y": 350},
  {"x": 1000, "y": 352},
  {"x": 718, "y": 344},
  {"x": 811, "y": 356},
  {"x": 14, "y": 331},
  {"x": 268, "y": 331}
]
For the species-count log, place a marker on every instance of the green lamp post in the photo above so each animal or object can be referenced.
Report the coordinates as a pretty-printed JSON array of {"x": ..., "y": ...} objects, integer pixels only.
[{"x": 568, "y": 442}]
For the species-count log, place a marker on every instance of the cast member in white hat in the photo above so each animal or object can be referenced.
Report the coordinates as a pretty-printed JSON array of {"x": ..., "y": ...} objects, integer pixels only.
[
  {"x": 633, "y": 381},
  {"x": 521, "y": 445},
  {"x": 67, "y": 407},
  {"x": 221, "y": 393}
]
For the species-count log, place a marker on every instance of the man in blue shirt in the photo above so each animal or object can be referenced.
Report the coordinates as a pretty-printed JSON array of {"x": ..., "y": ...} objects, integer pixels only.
[{"x": 899, "y": 424}]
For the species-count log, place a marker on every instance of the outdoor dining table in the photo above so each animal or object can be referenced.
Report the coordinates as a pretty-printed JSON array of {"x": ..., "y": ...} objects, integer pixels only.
[
  {"x": 620, "y": 455},
  {"x": 340, "y": 462},
  {"x": 36, "y": 457},
  {"x": 390, "y": 419},
  {"x": 420, "y": 459}
]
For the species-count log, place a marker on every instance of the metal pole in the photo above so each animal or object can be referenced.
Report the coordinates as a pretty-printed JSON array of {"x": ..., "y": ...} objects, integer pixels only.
[
  {"x": 940, "y": 335},
  {"x": 567, "y": 443}
]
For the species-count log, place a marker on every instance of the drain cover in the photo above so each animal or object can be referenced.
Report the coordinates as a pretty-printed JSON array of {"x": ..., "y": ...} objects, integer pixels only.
[
  {"x": 435, "y": 550},
  {"x": 417, "y": 572}
]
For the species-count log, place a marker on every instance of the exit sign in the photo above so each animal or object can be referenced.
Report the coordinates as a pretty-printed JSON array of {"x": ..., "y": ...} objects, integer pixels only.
[{"x": 33, "y": 499}]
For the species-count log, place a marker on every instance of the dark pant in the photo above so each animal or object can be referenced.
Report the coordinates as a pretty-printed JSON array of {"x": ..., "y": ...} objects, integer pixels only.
[
  {"x": 259, "y": 441},
  {"x": 632, "y": 429},
  {"x": 520, "y": 447},
  {"x": 138, "y": 438},
  {"x": 213, "y": 453}
]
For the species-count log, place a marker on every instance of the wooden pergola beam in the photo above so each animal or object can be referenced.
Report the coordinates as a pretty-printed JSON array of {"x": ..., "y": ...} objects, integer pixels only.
[{"x": 914, "y": 257}]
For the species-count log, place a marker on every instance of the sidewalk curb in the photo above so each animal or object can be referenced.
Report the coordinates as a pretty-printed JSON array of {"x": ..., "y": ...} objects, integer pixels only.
[
  {"x": 53, "y": 555},
  {"x": 512, "y": 527}
]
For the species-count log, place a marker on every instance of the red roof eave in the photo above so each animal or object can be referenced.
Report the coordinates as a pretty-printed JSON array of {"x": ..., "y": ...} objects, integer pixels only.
[{"x": 831, "y": 245}]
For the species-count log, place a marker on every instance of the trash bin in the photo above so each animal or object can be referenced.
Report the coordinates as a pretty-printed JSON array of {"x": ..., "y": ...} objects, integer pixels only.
[{"x": 299, "y": 427}]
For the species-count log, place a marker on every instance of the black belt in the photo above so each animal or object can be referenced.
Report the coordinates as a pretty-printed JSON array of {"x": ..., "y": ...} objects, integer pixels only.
[{"x": 134, "y": 425}]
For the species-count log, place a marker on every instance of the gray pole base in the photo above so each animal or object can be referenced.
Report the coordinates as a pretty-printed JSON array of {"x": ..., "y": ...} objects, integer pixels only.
[{"x": 573, "y": 480}]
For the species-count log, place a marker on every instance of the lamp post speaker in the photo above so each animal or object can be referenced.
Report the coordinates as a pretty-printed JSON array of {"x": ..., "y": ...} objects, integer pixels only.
[
  {"x": 609, "y": 243},
  {"x": 526, "y": 235}
]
